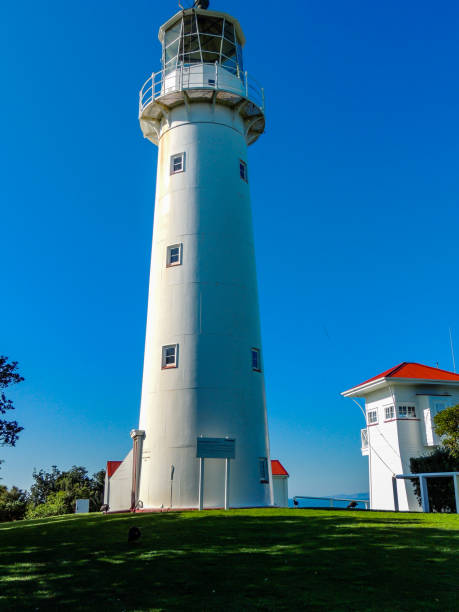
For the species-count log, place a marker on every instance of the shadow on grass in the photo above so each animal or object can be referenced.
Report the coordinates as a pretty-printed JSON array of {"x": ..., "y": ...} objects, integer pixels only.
[{"x": 238, "y": 560}]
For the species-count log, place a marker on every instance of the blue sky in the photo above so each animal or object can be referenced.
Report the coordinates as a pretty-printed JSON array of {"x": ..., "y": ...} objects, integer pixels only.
[{"x": 354, "y": 191}]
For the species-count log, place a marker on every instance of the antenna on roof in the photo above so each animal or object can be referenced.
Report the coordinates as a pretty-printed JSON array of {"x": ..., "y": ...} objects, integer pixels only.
[{"x": 452, "y": 350}]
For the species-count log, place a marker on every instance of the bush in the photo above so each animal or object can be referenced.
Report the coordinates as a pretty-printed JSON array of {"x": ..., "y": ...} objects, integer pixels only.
[
  {"x": 13, "y": 504},
  {"x": 56, "y": 503},
  {"x": 446, "y": 424},
  {"x": 441, "y": 490}
]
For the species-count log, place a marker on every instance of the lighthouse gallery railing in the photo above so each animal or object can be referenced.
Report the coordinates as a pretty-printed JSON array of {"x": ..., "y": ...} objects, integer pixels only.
[{"x": 201, "y": 76}]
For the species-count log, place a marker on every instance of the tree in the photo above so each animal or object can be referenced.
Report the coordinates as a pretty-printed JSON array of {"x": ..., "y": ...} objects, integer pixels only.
[
  {"x": 59, "y": 490},
  {"x": 45, "y": 484},
  {"x": 9, "y": 430},
  {"x": 446, "y": 424},
  {"x": 13, "y": 503}
]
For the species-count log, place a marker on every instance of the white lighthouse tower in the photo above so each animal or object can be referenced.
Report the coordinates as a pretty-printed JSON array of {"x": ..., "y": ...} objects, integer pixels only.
[{"x": 203, "y": 437}]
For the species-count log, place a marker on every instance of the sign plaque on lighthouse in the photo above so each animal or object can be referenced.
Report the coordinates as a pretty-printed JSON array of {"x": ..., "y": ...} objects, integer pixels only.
[{"x": 203, "y": 437}]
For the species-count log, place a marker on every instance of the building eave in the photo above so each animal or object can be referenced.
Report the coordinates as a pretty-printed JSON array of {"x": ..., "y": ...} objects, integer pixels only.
[{"x": 380, "y": 383}]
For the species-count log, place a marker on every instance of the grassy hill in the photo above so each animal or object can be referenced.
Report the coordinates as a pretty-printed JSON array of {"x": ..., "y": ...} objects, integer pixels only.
[{"x": 272, "y": 559}]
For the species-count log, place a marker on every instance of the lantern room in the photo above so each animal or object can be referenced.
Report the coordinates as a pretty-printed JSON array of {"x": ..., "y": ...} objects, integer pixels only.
[{"x": 198, "y": 36}]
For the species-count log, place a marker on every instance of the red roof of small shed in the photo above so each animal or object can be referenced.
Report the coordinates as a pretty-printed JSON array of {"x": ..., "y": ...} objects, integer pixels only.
[
  {"x": 112, "y": 466},
  {"x": 277, "y": 468}
]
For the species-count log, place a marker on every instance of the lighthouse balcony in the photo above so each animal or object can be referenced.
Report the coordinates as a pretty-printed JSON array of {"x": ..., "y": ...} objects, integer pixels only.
[{"x": 201, "y": 82}]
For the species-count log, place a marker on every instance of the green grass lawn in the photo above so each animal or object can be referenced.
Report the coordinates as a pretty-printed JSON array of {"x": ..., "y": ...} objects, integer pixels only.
[{"x": 272, "y": 559}]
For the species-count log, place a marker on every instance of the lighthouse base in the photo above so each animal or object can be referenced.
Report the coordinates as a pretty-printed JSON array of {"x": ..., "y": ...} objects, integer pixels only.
[{"x": 212, "y": 489}]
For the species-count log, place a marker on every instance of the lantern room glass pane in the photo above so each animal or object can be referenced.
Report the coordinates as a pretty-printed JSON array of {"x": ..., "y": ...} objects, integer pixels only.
[
  {"x": 210, "y": 58},
  {"x": 210, "y": 25},
  {"x": 173, "y": 33},
  {"x": 189, "y": 24},
  {"x": 192, "y": 58},
  {"x": 171, "y": 65},
  {"x": 228, "y": 48},
  {"x": 229, "y": 31},
  {"x": 189, "y": 44},
  {"x": 210, "y": 43},
  {"x": 171, "y": 51},
  {"x": 229, "y": 64},
  {"x": 239, "y": 57}
]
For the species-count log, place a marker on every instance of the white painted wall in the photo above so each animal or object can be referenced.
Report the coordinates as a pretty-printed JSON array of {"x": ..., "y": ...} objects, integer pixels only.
[
  {"x": 280, "y": 491},
  {"x": 209, "y": 306},
  {"x": 117, "y": 492}
]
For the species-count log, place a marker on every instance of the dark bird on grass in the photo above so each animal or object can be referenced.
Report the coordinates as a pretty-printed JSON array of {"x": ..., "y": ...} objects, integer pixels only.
[
  {"x": 104, "y": 508},
  {"x": 134, "y": 534},
  {"x": 352, "y": 505},
  {"x": 295, "y": 502}
]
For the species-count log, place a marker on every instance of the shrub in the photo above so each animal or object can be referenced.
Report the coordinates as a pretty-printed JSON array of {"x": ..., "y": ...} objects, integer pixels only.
[
  {"x": 441, "y": 490},
  {"x": 56, "y": 503}
]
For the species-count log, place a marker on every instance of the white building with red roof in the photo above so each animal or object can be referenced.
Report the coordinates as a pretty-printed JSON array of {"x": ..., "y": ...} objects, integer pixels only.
[{"x": 400, "y": 404}]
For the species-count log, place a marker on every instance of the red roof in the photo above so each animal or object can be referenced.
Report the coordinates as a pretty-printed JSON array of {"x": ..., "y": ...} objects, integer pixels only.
[
  {"x": 415, "y": 371},
  {"x": 277, "y": 468},
  {"x": 112, "y": 466}
]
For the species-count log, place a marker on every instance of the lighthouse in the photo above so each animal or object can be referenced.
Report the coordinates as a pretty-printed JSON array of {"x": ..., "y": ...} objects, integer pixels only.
[{"x": 202, "y": 440}]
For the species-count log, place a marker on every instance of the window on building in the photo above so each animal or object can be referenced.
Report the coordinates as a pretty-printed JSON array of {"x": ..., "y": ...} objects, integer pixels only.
[
  {"x": 170, "y": 356},
  {"x": 174, "y": 255},
  {"x": 256, "y": 364},
  {"x": 389, "y": 412},
  {"x": 407, "y": 412},
  {"x": 438, "y": 408},
  {"x": 177, "y": 163},
  {"x": 372, "y": 417},
  {"x": 364, "y": 438},
  {"x": 243, "y": 171},
  {"x": 263, "y": 466}
]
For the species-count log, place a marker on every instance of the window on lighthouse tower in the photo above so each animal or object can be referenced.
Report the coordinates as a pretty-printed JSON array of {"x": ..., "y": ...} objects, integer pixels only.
[
  {"x": 243, "y": 171},
  {"x": 170, "y": 356},
  {"x": 256, "y": 365},
  {"x": 174, "y": 255},
  {"x": 177, "y": 163}
]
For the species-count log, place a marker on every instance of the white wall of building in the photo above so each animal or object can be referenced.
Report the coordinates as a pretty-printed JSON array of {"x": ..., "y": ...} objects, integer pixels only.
[
  {"x": 117, "y": 493},
  {"x": 280, "y": 491}
]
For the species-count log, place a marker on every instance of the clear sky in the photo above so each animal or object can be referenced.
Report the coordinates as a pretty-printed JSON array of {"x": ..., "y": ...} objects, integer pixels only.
[{"x": 355, "y": 201}]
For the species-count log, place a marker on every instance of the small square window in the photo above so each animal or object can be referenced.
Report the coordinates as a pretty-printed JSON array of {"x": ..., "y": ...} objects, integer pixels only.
[
  {"x": 372, "y": 417},
  {"x": 177, "y": 163},
  {"x": 170, "y": 356},
  {"x": 211, "y": 82},
  {"x": 389, "y": 412},
  {"x": 243, "y": 171},
  {"x": 263, "y": 467},
  {"x": 256, "y": 364},
  {"x": 174, "y": 255}
]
